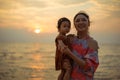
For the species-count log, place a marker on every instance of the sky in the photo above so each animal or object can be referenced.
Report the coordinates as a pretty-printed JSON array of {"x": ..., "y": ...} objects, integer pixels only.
[{"x": 19, "y": 19}]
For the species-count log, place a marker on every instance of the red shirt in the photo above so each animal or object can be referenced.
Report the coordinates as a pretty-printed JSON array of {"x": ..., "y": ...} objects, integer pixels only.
[{"x": 81, "y": 49}]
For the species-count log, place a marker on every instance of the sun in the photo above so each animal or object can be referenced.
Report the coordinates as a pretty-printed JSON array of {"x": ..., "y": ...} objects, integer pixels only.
[{"x": 37, "y": 30}]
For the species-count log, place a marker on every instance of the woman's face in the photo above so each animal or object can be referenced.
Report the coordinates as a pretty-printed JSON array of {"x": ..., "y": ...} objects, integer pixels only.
[{"x": 81, "y": 23}]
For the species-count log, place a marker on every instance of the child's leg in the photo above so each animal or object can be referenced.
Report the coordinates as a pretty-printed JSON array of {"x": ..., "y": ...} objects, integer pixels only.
[
  {"x": 67, "y": 70},
  {"x": 67, "y": 75},
  {"x": 61, "y": 75}
]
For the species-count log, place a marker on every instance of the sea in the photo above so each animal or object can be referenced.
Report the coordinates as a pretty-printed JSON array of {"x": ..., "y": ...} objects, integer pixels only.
[{"x": 36, "y": 61}]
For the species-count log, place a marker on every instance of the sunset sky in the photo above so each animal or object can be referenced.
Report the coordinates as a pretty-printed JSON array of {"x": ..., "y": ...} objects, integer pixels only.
[{"x": 36, "y": 20}]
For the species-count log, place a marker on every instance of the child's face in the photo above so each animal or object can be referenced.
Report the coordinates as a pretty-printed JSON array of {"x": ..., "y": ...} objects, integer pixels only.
[{"x": 65, "y": 27}]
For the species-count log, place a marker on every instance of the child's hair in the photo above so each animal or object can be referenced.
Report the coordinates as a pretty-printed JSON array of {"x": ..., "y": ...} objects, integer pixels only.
[{"x": 62, "y": 20}]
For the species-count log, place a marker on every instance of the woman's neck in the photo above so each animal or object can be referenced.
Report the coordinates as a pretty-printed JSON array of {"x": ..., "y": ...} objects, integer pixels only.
[{"x": 81, "y": 35}]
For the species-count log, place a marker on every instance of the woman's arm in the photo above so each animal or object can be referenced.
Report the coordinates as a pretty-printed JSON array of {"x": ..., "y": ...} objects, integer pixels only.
[
  {"x": 81, "y": 62},
  {"x": 90, "y": 61},
  {"x": 63, "y": 48}
]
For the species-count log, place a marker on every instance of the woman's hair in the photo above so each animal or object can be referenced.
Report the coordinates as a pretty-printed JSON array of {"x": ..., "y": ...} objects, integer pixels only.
[
  {"x": 62, "y": 20},
  {"x": 82, "y": 13}
]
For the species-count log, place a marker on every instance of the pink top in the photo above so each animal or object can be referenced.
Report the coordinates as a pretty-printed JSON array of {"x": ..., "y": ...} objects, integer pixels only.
[{"x": 81, "y": 49}]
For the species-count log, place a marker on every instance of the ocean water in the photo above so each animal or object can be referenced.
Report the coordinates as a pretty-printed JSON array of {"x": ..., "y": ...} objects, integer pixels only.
[{"x": 35, "y": 61}]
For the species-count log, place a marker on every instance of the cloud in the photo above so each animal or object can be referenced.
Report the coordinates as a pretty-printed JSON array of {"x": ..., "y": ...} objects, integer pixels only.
[
  {"x": 27, "y": 14},
  {"x": 33, "y": 3},
  {"x": 45, "y": 11},
  {"x": 70, "y": 2},
  {"x": 22, "y": 35},
  {"x": 111, "y": 6},
  {"x": 14, "y": 4},
  {"x": 6, "y": 4}
]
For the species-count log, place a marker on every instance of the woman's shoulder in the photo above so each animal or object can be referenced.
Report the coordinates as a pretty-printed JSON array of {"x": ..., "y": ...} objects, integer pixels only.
[{"x": 92, "y": 43}]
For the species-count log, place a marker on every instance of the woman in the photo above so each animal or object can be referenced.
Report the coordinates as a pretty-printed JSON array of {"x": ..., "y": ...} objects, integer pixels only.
[{"x": 84, "y": 50}]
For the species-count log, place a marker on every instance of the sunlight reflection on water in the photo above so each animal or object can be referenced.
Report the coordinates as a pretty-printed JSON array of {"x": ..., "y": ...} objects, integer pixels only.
[{"x": 34, "y": 61}]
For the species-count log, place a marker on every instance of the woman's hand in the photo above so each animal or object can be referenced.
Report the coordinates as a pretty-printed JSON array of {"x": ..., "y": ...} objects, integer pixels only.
[{"x": 61, "y": 46}]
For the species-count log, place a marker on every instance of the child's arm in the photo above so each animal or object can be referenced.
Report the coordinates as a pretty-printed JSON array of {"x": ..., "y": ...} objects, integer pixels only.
[
  {"x": 67, "y": 75},
  {"x": 61, "y": 75}
]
